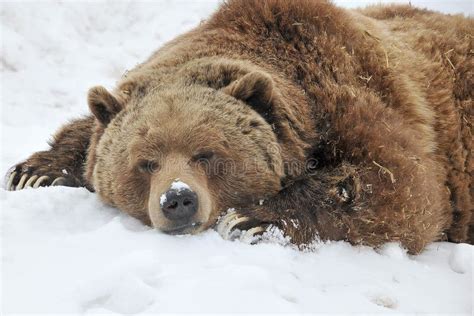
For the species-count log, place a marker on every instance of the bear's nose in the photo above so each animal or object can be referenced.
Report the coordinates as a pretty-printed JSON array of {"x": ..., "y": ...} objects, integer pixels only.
[{"x": 179, "y": 204}]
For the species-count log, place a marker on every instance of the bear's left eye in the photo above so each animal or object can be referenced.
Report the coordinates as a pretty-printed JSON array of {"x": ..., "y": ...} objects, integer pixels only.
[
  {"x": 203, "y": 157},
  {"x": 147, "y": 166}
]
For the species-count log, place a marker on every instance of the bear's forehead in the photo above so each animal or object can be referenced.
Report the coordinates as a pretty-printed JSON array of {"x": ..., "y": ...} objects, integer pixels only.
[
  {"x": 167, "y": 138},
  {"x": 163, "y": 123},
  {"x": 190, "y": 119}
]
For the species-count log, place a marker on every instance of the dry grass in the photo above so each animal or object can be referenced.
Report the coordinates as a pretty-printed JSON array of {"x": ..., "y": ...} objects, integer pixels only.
[{"x": 386, "y": 170}]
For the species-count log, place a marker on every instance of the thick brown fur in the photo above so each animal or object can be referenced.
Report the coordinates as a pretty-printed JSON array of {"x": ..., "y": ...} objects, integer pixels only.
[{"x": 379, "y": 100}]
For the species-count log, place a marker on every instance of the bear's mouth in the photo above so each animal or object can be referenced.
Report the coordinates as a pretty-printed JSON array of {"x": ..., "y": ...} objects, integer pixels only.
[{"x": 183, "y": 229}]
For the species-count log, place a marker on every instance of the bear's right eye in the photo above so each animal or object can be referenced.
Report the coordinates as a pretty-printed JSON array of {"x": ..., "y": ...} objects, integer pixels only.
[{"x": 147, "y": 166}]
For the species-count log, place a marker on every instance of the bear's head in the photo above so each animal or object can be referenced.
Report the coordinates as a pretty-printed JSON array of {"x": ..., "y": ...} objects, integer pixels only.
[{"x": 175, "y": 153}]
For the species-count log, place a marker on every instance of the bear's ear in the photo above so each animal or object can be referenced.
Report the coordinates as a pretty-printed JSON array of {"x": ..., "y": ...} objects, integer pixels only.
[
  {"x": 255, "y": 88},
  {"x": 103, "y": 104}
]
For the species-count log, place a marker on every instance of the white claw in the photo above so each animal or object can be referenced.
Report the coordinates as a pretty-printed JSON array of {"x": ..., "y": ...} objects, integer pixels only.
[
  {"x": 57, "y": 180},
  {"x": 221, "y": 226},
  {"x": 39, "y": 181},
  {"x": 30, "y": 181},
  {"x": 234, "y": 223},
  {"x": 226, "y": 226},
  {"x": 22, "y": 182},
  {"x": 10, "y": 181},
  {"x": 250, "y": 235}
]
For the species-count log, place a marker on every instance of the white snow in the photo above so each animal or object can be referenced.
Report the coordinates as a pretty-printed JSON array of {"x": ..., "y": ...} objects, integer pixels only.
[
  {"x": 179, "y": 186},
  {"x": 64, "y": 251},
  {"x": 176, "y": 185},
  {"x": 163, "y": 199}
]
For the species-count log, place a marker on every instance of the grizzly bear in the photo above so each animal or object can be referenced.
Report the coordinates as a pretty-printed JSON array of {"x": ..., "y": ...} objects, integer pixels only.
[{"x": 325, "y": 123}]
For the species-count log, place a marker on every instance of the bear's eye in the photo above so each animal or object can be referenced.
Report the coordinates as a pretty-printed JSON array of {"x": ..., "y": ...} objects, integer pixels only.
[
  {"x": 203, "y": 157},
  {"x": 147, "y": 166}
]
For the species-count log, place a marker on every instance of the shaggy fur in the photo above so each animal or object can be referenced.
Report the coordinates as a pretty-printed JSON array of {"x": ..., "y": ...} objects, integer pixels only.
[{"x": 379, "y": 101}]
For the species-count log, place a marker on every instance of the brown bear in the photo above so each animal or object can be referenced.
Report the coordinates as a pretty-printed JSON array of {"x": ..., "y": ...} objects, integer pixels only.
[{"x": 323, "y": 122}]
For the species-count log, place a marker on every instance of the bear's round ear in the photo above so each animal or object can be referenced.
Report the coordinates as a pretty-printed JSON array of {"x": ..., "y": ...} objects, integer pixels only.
[
  {"x": 255, "y": 88},
  {"x": 103, "y": 104}
]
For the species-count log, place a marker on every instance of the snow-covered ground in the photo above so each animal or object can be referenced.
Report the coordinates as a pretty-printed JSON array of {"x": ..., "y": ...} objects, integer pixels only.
[{"x": 64, "y": 251}]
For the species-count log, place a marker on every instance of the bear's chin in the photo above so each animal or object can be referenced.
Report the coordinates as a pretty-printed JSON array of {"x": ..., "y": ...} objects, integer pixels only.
[{"x": 192, "y": 228}]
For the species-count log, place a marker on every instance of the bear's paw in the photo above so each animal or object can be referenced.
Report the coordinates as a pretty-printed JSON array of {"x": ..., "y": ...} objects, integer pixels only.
[{"x": 23, "y": 176}]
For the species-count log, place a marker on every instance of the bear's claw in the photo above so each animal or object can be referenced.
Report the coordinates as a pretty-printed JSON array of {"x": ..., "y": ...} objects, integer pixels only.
[
  {"x": 21, "y": 182},
  {"x": 30, "y": 181},
  {"x": 39, "y": 181},
  {"x": 252, "y": 235},
  {"x": 10, "y": 181},
  {"x": 59, "y": 181},
  {"x": 228, "y": 222},
  {"x": 228, "y": 225}
]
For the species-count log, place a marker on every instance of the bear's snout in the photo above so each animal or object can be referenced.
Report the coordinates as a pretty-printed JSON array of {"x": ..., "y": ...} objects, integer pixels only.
[
  {"x": 179, "y": 200},
  {"x": 179, "y": 205}
]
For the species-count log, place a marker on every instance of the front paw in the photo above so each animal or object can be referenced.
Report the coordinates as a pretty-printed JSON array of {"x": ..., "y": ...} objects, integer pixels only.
[
  {"x": 27, "y": 175},
  {"x": 234, "y": 225},
  {"x": 254, "y": 225}
]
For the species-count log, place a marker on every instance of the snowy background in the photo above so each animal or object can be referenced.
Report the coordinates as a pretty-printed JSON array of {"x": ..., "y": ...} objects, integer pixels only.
[{"x": 63, "y": 251}]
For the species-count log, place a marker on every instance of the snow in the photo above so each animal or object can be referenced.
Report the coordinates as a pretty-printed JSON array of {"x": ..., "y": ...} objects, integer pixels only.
[
  {"x": 64, "y": 251},
  {"x": 179, "y": 186},
  {"x": 163, "y": 199}
]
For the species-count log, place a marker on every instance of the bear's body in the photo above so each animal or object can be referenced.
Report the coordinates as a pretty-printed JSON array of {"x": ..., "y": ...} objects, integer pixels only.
[{"x": 357, "y": 125}]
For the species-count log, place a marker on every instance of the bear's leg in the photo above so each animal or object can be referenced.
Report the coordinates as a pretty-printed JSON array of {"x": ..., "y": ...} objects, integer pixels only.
[
  {"x": 62, "y": 164},
  {"x": 368, "y": 205},
  {"x": 385, "y": 187}
]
